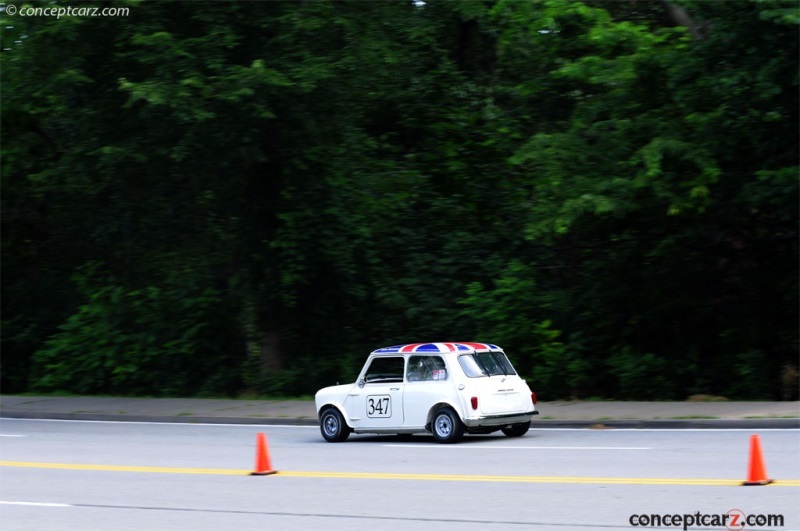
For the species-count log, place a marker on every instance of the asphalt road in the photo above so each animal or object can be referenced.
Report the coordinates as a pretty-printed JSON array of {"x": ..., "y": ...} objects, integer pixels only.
[{"x": 98, "y": 476}]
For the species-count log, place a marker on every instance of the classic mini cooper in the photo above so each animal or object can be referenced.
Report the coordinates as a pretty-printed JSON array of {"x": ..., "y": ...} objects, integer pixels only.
[{"x": 446, "y": 389}]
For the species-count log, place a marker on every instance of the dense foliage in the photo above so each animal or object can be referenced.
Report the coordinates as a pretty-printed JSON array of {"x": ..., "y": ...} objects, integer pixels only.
[{"x": 227, "y": 197}]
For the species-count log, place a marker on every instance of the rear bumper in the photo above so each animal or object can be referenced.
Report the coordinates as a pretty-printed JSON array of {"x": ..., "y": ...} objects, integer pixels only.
[{"x": 499, "y": 420}]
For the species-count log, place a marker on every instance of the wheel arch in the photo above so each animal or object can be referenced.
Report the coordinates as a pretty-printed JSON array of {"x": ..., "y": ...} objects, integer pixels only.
[
  {"x": 439, "y": 405},
  {"x": 339, "y": 408}
]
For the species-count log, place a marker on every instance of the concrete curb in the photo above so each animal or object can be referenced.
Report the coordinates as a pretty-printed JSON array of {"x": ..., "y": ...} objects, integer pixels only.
[
  {"x": 187, "y": 419},
  {"x": 673, "y": 424}
]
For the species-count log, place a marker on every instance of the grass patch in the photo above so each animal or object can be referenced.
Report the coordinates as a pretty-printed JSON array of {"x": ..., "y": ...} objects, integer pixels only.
[
  {"x": 706, "y": 398},
  {"x": 692, "y": 417},
  {"x": 773, "y": 417}
]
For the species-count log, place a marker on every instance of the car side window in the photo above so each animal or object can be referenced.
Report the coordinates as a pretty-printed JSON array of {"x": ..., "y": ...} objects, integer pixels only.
[
  {"x": 426, "y": 369},
  {"x": 385, "y": 370}
]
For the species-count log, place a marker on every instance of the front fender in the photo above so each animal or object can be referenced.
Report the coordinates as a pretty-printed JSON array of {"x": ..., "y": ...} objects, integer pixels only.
[{"x": 334, "y": 396}]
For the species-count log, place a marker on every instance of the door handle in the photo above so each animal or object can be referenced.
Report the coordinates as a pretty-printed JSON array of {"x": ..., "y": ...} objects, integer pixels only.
[{"x": 394, "y": 389}]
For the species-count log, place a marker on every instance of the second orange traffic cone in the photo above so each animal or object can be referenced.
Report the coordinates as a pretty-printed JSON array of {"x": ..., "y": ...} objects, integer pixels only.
[
  {"x": 756, "y": 470},
  {"x": 263, "y": 465}
]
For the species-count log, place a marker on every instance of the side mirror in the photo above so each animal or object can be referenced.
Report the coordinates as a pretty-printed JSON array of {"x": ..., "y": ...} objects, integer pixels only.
[{"x": 361, "y": 382}]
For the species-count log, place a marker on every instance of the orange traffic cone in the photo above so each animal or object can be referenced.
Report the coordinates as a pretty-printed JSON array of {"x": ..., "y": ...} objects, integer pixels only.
[
  {"x": 263, "y": 465},
  {"x": 756, "y": 471}
]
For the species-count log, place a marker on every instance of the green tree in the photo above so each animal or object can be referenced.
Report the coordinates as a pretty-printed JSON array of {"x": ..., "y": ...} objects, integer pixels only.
[{"x": 249, "y": 196}]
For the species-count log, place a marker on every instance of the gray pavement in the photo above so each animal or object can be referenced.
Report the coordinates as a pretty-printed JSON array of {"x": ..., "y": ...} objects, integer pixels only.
[{"x": 587, "y": 414}]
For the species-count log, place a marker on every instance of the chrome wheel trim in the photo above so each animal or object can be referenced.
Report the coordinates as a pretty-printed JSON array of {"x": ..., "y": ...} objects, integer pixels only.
[
  {"x": 444, "y": 426},
  {"x": 331, "y": 424}
]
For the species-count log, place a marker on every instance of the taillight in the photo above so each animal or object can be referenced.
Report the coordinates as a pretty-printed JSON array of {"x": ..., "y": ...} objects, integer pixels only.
[
  {"x": 533, "y": 397},
  {"x": 474, "y": 402}
]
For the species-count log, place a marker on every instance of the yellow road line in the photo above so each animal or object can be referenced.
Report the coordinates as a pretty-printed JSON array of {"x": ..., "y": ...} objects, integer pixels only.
[
  {"x": 123, "y": 468},
  {"x": 396, "y": 476}
]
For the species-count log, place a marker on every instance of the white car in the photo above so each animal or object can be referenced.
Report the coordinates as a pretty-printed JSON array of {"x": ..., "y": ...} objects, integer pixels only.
[{"x": 446, "y": 389}]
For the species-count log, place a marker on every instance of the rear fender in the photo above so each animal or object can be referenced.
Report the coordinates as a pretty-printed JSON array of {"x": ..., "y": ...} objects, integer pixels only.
[{"x": 439, "y": 405}]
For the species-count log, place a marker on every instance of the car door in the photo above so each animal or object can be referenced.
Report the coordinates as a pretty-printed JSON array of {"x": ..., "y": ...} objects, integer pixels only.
[
  {"x": 376, "y": 400},
  {"x": 428, "y": 383}
]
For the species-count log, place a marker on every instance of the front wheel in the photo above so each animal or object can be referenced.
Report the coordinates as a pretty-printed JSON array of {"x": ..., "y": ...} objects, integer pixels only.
[
  {"x": 516, "y": 430},
  {"x": 332, "y": 426},
  {"x": 446, "y": 426}
]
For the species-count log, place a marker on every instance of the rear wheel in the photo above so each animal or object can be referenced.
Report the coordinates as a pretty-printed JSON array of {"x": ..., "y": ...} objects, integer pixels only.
[
  {"x": 446, "y": 426},
  {"x": 332, "y": 426},
  {"x": 517, "y": 430}
]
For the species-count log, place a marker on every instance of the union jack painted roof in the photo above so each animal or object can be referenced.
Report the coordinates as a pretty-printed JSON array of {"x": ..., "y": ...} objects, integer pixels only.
[{"x": 437, "y": 347}]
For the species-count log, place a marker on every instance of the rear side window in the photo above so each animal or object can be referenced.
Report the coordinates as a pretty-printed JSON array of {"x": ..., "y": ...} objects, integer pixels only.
[
  {"x": 426, "y": 369},
  {"x": 385, "y": 370},
  {"x": 486, "y": 364}
]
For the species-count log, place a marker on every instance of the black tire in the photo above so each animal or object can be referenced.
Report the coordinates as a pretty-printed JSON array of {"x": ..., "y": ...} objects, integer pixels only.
[
  {"x": 446, "y": 426},
  {"x": 517, "y": 430},
  {"x": 332, "y": 426}
]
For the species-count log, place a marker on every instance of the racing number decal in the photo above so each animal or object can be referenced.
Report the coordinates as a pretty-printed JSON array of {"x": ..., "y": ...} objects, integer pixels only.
[{"x": 379, "y": 406}]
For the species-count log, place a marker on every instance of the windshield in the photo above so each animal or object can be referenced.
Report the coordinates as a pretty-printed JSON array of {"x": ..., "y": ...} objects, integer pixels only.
[{"x": 486, "y": 364}]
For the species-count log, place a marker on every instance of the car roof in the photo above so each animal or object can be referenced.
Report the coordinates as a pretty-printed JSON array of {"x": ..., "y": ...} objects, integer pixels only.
[{"x": 437, "y": 347}]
